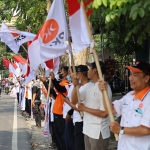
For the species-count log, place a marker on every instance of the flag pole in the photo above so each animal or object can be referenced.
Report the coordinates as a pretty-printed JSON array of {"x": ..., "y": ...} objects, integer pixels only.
[
  {"x": 98, "y": 68},
  {"x": 24, "y": 49},
  {"x": 67, "y": 54},
  {"x": 74, "y": 69}
]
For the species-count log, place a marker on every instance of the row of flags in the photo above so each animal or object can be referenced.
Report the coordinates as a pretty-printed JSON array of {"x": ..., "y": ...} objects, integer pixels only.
[{"x": 52, "y": 39}]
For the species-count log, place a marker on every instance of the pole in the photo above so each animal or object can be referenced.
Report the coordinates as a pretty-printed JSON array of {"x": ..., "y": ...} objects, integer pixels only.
[
  {"x": 99, "y": 69},
  {"x": 74, "y": 70},
  {"x": 67, "y": 54},
  {"x": 24, "y": 49}
]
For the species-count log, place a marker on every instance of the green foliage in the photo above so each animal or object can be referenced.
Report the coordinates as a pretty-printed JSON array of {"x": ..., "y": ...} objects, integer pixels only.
[
  {"x": 136, "y": 15},
  {"x": 123, "y": 24},
  {"x": 29, "y": 13}
]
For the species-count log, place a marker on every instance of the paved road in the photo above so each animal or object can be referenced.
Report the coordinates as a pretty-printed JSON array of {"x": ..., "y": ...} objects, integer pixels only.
[{"x": 14, "y": 134}]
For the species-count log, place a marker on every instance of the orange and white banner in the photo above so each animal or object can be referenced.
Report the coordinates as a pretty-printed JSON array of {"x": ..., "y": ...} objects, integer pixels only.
[{"x": 14, "y": 38}]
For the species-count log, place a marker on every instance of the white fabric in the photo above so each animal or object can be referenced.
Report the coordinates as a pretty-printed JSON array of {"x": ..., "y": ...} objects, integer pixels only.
[
  {"x": 14, "y": 38},
  {"x": 30, "y": 77},
  {"x": 52, "y": 105},
  {"x": 13, "y": 93},
  {"x": 66, "y": 107},
  {"x": 79, "y": 32},
  {"x": 46, "y": 123},
  {"x": 11, "y": 68},
  {"x": 30, "y": 90},
  {"x": 93, "y": 125},
  {"x": 17, "y": 86},
  {"x": 44, "y": 47},
  {"x": 126, "y": 107},
  {"x": 23, "y": 67},
  {"x": 76, "y": 114},
  {"x": 56, "y": 13}
]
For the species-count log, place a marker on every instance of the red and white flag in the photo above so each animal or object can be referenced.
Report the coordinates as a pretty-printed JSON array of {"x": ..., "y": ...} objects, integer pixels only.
[
  {"x": 11, "y": 68},
  {"x": 14, "y": 38},
  {"x": 19, "y": 59},
  {"x": 5, "y": 62},
  {"x": 52, "y": 64},
  {"x": 51, "y": 39},
  {"x": 79, "y": 32}
]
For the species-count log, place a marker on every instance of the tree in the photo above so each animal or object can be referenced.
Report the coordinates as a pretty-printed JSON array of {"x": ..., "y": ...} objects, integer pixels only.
[
  {"x": 135, "y": 14},
  {"x": 28, "y": 13}
]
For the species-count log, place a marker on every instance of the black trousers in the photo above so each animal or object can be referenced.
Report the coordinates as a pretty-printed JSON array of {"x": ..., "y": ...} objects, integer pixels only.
[
  {"x": 79, "y": 136},
  {"x": 28, "y": 106},
  {"x": 69, "y": 136},
  {"x": 18, "y": 97},
  {"x": 37, "y": 114},
  {"x": 59, "y": 128}
]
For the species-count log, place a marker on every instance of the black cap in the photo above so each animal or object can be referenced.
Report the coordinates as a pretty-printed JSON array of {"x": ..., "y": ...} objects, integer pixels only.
[
  {"x": 140, "y": 66},
  {"x": 82, "y": 68},
  {"x": 65, "y": 68},
  {"x": 102, "y": 65}
]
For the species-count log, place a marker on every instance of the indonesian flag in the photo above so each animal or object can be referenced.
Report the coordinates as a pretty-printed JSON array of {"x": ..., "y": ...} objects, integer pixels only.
[
  {"x": 19, "y": 59},
  {"x": 5, "y": 62},
  {"x": 79, "y": 31},
  {"x": 11, "y": 68},
  {"x": 52, "y": 64},
  {"x": 14, "y": 38},
  {"x": 51, "y": 40},
  {"x": 10, "y": 74}
]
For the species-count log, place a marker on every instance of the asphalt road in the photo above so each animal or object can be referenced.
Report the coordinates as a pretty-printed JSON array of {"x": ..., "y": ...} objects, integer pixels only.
[{"x": 14, "y": 133}]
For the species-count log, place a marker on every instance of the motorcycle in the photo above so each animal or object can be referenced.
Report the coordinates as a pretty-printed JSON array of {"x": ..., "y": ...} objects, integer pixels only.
[
  {"x": 7, "y": 90},
  {"x": 116, "y": 84}
]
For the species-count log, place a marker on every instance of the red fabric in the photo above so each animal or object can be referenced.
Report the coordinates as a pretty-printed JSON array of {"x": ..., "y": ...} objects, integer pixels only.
[
  {"x": 50, "y": 64},
  {"x": 10, "y": 74},
  {"x": 19, "y": 59},
  {"x": 14, "y": 65},
  {"x": 74, "y": 6},
  {"x": 5, "y": 62},
  {"x": 88, "y": 11}
]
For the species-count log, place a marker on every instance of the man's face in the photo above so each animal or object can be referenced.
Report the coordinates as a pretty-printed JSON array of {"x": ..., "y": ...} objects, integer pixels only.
[
  {"x": 91, "y": 73},
  {"x": 79, "y": 75},
  {"x": 138, "y": 80},
  {"x": 64, "y": 72}
]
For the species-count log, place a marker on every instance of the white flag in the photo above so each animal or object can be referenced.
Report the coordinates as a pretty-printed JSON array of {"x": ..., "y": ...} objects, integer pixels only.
[
  {"x": 14, "y": 38},
  {"x": 51, "y": 39}
]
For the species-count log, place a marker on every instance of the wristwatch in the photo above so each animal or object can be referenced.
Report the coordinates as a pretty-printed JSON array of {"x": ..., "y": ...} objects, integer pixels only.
[{"x": 122, "y": 130}]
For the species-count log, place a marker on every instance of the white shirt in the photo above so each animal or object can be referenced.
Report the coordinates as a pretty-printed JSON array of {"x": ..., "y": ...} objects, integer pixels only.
[
  {"x": 66, "y": 107},
  {"x": 17, "y": 87},
  {"x": 134, "y": 113},
  {"x": 93, "y": 125},
  {"x": 76, "y": 114}
]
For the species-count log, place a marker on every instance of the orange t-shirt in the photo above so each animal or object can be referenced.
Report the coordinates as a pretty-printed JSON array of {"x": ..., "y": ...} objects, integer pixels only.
[{"x": 59, "y": 101}]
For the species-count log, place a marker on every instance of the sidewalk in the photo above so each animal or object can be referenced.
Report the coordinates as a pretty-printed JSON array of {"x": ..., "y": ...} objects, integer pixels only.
[{"x": 39, "y": 142}]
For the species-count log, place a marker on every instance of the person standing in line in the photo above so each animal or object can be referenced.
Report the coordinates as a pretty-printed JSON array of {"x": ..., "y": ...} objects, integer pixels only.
[
  {"x": 134, "y": 107},
  {"x": 95, "y": 121},
  {"x": 17, "y": 87},
  {"x": 61, "y": 89},
  {"x": 29, "y": 97},
  {"x": 77, "y": 119},
  {"x": 36, "y": 102}
]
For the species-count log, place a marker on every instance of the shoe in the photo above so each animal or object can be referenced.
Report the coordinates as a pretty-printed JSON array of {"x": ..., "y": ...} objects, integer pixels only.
[{"x": 53, "y": 145}]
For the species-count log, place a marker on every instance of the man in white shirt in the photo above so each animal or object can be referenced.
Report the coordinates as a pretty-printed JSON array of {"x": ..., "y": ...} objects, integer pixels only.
[
  {"x": 95, "y": 120},
  {"x": 77, "y": 119},
  {"x": 134, "y": 107}
]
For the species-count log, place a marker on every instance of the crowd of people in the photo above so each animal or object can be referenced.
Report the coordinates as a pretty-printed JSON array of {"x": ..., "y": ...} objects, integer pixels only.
[{"x": 79, "y": 118}]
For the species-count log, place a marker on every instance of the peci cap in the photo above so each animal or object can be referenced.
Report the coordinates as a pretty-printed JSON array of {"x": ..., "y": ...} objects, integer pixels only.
[
  {"x": 102, "y": 65},
  {"x": 140, "y": 66},
  {"x": 82, "y": 68}
]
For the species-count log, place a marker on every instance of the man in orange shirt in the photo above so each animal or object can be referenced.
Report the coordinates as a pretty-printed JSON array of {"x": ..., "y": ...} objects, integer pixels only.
[{"x": 61, "y": 89}]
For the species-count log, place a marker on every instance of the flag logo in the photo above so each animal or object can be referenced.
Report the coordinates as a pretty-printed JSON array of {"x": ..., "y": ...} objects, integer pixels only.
[
  {"x": 49, "y": 31},
  {"x": 15, "y": 34}
]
